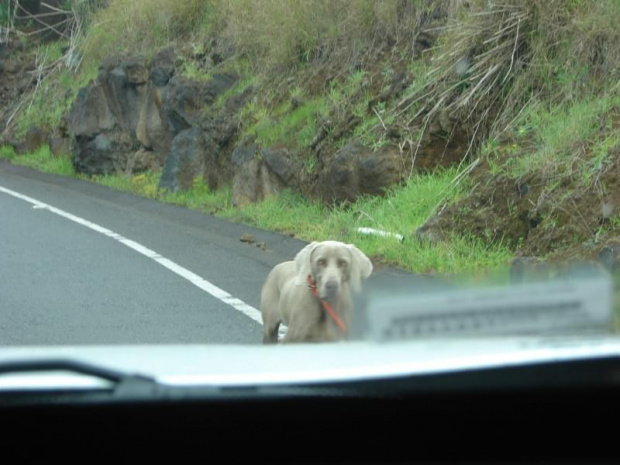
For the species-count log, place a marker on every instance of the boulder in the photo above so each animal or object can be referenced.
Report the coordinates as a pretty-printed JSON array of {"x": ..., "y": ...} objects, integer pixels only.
[
  {"x": 152, "y": 129},
  {"x": 259, "y": 177},
  {"x": 141, "y": 160},
  {"x": 105, "y": 153},
  {"x": 182, "y": 102},
  {"x": 162, "y": 67},
  {"x": 284, "y": 164},
  {"x": 357, "y": 170},
  {"x": 59, "y": 145},
  {"x": 222, "y": 130},
  {"x": 246, "y": 181},
  {"x": 192, "y": 155},
  {"x": 134, "y": 111},
  {"x": 104, "y": 118},
  {"x": 136, "y": 72},
  {"x": 184, "y": 99}
]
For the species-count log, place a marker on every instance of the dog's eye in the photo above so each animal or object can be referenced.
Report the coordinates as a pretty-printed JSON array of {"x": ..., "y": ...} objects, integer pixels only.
[
  {"x": 342, "y": 263},
  {"x": 321, "y": 262}
]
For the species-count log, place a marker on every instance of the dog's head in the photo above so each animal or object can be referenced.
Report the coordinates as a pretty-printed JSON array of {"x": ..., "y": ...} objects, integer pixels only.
[{"x": 331, "y": 264}]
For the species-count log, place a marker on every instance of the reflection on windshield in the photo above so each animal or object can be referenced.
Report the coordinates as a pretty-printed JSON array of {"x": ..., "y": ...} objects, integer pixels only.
[{"x": 578, "y": 300}]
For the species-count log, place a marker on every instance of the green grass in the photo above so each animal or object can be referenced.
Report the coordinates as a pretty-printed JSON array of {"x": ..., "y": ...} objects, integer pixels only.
[
  {"x": 298, "y": 126},
  {"x": 201, "y": 198},
  {"x": 143, "y": 184},
  {"x": 402, "y": 211},
  {"x": 295, "y": 127},
  {"x": 53, "y": 99},
  {"x": 245, "y": 82},
  {"x": 7, "y": 152},
  {"x": 41, "y": 159},
  {"x": 557, "y": 142}
]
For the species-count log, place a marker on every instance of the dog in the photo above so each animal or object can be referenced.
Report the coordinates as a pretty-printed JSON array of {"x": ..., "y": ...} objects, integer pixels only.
[{"x": 312, "y": 294}]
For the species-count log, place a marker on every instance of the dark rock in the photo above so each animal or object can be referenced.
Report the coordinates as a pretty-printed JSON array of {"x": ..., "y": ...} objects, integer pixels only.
[
  {"x": 136, "y": 111},
  {"x": 221, "y": 130},
  {"x": 104, "y": 118},
  {"x": 184, "y": 99},
  {"x": 609, "y": 255},
  {"x": 341, "y": 182},
  {"x": 243, "y": 154},
  {"x": 247, "y": 238},
  {"x": 59, "y": 145},
  {"x": 357, "y": 170},
  {"x": 284, "y": 164},
  {"x": 379, "y": 170},
  {"x": 136, "y": 72},
  {"x": 142, "y": 160},
  {"x": 119, "y": 112},
  {"x": 246, "y": 179},
  {"x": 191, "y": 156},
  {"x": 162, "y": 67},
  {"x": 104, "y": 153},
  {"x": 152, "y": 130},
  {"x": 256, "y": 178}
]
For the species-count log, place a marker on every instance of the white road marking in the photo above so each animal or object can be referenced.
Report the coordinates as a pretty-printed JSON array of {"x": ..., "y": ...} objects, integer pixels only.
[{"x": 190, "y": 276}]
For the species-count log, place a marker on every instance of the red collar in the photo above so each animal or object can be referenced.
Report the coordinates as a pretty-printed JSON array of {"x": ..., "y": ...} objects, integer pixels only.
[{"x": 326, "y": 305}]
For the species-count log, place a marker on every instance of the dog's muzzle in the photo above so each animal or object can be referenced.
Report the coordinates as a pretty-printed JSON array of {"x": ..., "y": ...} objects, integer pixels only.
[{"x": 331, "y": 290}]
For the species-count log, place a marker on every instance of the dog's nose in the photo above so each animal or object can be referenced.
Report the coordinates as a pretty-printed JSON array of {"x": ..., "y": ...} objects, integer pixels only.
[{"x": 331, "y": 289}]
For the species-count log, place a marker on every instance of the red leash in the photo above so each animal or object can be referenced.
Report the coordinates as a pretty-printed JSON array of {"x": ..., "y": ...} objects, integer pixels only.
[{"x": 327, "y": 306}]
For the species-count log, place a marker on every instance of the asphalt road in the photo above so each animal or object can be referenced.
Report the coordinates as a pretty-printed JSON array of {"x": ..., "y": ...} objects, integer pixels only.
[{"x": 62, "y": 283}]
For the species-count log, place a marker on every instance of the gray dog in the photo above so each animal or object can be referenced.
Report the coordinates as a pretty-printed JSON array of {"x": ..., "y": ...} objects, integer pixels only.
[{"x": 312, "y": 294}]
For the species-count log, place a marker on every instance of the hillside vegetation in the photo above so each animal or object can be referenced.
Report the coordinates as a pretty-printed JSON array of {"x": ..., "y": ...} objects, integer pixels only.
[{"x": 505, "y": 115}]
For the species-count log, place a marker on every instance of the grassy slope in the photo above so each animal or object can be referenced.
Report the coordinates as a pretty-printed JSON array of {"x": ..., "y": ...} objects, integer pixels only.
[{"x": 548, "y": 107}]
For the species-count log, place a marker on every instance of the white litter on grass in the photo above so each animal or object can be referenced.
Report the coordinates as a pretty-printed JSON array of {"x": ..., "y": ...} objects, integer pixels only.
[{"x": 378, "y": 232}]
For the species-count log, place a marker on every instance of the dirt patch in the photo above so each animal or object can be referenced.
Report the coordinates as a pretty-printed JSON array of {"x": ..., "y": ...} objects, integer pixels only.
[
  {"x": 572, "y": 221},
  {"x": 16, "y": 79}
]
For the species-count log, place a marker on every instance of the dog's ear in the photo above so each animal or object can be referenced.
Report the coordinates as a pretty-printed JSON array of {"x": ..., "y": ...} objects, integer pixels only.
[
  {"x": 302, "y": 260},
  {"x": 361, "y": 267}
]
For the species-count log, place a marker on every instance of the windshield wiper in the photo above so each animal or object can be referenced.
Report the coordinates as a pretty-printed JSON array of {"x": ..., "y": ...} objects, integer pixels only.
[{"x": 124, "y": 385}]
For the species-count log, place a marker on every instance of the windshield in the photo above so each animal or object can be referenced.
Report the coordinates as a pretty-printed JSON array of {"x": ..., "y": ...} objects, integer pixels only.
[{"x": 404, "y": 181}]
